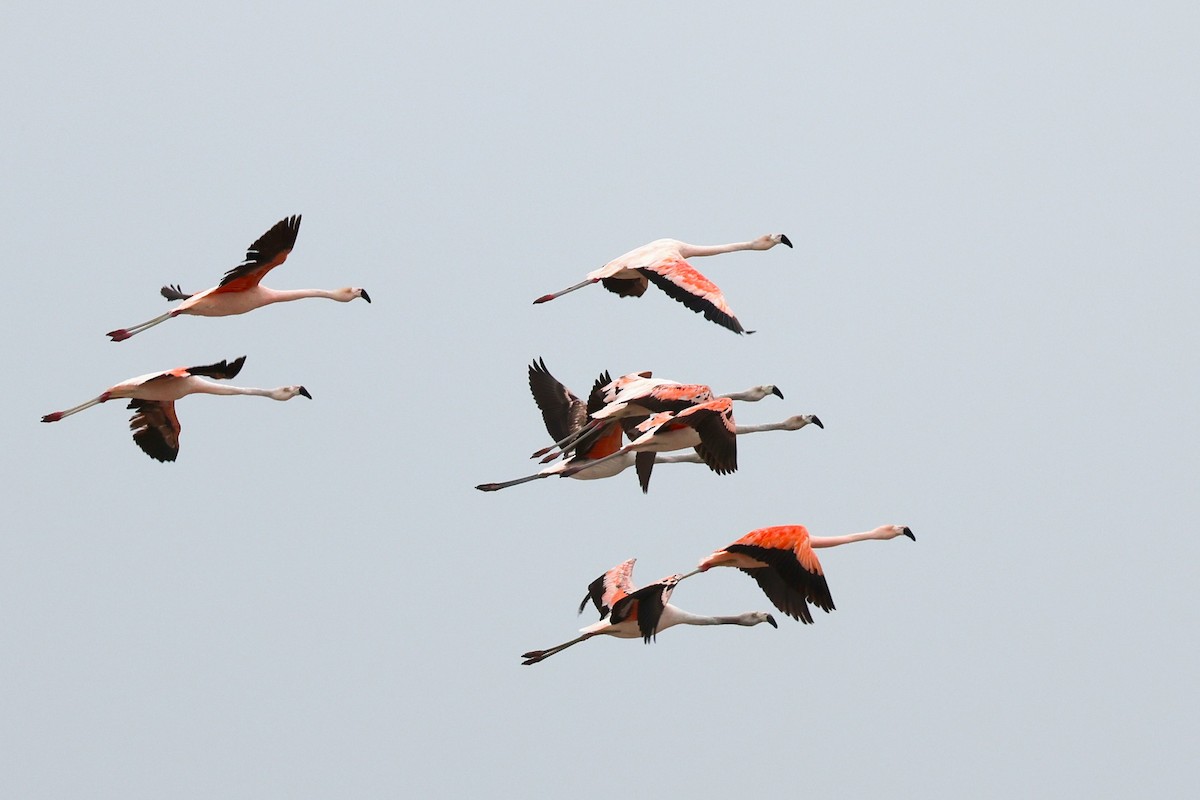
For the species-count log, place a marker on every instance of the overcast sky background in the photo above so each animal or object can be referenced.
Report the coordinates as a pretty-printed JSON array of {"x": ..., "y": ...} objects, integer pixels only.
[{"x": 991, "y": 305}]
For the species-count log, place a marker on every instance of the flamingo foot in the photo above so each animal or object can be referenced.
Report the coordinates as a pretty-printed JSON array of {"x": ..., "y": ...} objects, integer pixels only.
[
  {"x": 119, "y": 335},
  {"x": 55, "y": 417},
  {"x": 488, "y": 487},
  {"x": 543, "y": 299}
]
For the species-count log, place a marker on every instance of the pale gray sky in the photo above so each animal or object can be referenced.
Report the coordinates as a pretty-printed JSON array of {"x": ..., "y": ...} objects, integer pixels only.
[{"x": 991, "y": 305}]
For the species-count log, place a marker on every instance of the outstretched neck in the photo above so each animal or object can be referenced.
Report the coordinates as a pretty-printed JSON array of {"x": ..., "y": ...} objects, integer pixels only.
[
  {"x": 833, "y": 541},
  {"x": 687, "y": 618},
  {"x": 697, "y": 250},
  {"x": 285, "y": 295},
  {"x": 208, "y": 387}
]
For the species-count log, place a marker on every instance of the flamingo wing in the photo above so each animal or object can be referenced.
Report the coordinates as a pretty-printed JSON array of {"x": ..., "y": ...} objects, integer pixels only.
[
  {"x": 713, "y": 422},
  {"x": 155, "y": 428},
  {"x": 643, "y": 464},
  {"x": 221, "y": 370},
  {"x": 625, "y": 287},
  {"x": 562, "y": 412},
  {"x": 786, "y": 582},
  {"x": 610, "y": 587},
  {"x": 268, "y": 251},
  {"x": 173, "y": 293},
  {"x": 683, "y": 282},
  {"x": 605, "y": 440},
  {"x": 646, "y": 606}
]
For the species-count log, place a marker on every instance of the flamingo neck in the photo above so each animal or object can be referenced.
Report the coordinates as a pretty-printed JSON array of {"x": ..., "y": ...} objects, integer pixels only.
[
  {"x": 286, "y": 295},
  {"x": 771, "y": 426},
  {"x": 697, "y": 250},
  {"x": 834, "y": 541},
  {"x": 200, "y": 386},
  {"x": 677, "y": 616}
]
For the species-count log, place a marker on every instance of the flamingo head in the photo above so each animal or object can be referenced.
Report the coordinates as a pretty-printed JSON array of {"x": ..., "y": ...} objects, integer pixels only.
[
  {"x": 759, "y": 392},
  {"x": 770, "y": 240},
  {"x": 892, "y": 531},
  {"x": 349, "y": 293},
  {"x": 288, "y": 392}
]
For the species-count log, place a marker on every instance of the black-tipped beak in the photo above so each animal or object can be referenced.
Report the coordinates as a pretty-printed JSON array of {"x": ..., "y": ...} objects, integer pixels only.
[
  {"x": 784, "y": 240},
  {"x": 775, "y": 391},
  {"x": 771, "y": 620},
  {"x": 305, "y": 393},
  {"x": 365, "y": 296},
  {"x": 907, "y": 531},
  {"x": 817, "y": 422}
]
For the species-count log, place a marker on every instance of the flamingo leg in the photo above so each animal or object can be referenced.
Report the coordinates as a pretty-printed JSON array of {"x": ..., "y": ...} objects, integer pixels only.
[
  {"x": 121, "y": 334},
  {"x": 548, "y": 297},
  {"x": 57, "y": 415},
  {"x": 495, "y": 487},
  {"x": 534, "y": 656}
]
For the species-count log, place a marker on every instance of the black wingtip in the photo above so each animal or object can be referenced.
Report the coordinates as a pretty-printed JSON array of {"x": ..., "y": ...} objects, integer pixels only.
[
  {"x": 907, "y": 531},
  {"x": 784, "y": 240}
]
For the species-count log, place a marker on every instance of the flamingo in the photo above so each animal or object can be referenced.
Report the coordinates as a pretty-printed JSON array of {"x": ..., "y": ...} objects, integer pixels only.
[
  {"x": 708, "y": 427},
  {"x": 639, "y": 395},
  {"x": 664, "y": 262},
  {"x": 152, "y": 398},
  {"x": 239, "y": 290},
  {"x": 781, "y": 560},
  {"x": 623, "y": 461},
  {"x": 628, "y": 613}
]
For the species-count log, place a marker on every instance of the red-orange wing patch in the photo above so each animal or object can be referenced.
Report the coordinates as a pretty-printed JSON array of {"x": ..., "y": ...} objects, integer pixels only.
[
  {"x": 268, "y": 251},
  {"x": 684, "y": 283},
  {"x": 786, "y": 537},
  {"x": 610, "y": 587}
]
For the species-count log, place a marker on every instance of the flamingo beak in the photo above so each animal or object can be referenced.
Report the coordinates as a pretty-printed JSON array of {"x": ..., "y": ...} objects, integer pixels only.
[
  {"x": 772, "y": 621},
  {"x": 775, "y": 391},
  {"x": 907, "y": 531},
  {"x": 784, "y": 240},
  {"x": 817, "y": 421},
  {"x": 305, "y": 393},
  {"x": 363, "y": 294}
]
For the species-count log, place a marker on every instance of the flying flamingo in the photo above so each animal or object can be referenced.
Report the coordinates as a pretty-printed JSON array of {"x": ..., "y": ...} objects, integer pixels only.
[
  {"x": 638, "y": 395},
  {"x": 239, "y": 291},
  {"x": 708, "y": 427},
  {"x": 564, "y": 415},
  {"x": 629, "y": 613},
  {"x": 623, "y": 461},
  {"x": 782, "y": 561},
  {"x": 152, "y": 397},
  {"x": 664, "y": 263}
]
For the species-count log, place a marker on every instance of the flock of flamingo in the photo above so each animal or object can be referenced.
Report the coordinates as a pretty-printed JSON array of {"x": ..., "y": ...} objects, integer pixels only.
[
  {"x": 660, "y": 416},
  {"x": 656, "y": 415}
]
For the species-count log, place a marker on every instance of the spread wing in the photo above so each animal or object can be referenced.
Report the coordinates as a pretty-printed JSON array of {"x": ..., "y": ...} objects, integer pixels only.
[
  {"x": 562, "y": 412},
  {"x": 610, "y": 587},
  {"x": 268, "y": 251},
  {"x": 713, "y": 422},
  {"x": 787, "y": 584},
  {"x": 173, "y": 293},
  {"x": 220, "y": 370},
  {"x": 681, "y": 281},
  {"x": 155, "y": 428},
  {"x": 646, "y": 606}
]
